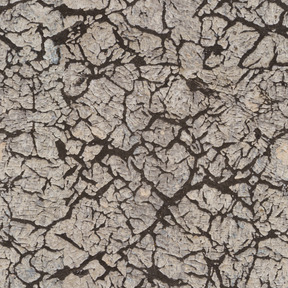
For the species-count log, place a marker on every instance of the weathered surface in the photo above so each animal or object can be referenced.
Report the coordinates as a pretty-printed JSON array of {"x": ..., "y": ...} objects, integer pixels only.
[{"x": 143, "y": 143}]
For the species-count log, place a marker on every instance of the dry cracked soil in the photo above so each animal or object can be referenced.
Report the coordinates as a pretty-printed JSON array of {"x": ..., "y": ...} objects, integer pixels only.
[{"x": 143, "y": 143}]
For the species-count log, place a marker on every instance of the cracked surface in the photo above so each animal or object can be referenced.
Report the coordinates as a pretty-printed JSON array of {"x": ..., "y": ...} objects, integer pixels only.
[{"x": 143, "y": 143}]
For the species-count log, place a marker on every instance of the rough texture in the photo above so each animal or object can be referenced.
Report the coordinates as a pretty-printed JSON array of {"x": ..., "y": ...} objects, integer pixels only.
[{"x": 143, "y": 143}]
